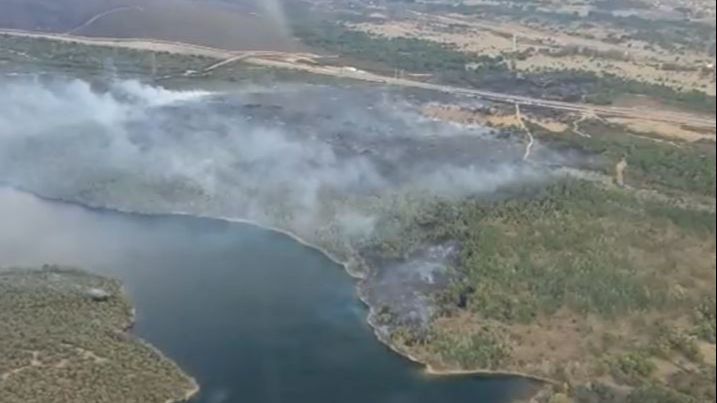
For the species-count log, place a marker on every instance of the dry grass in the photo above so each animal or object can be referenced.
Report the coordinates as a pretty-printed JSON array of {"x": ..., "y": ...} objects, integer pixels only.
[
  {"x": 470, "y": 35},
  {"x": 474, "y": 40},
  {"x": 465, "y": 116},
  {"x": 633, "y": 69},
  {"x": 666, "y": 130}
]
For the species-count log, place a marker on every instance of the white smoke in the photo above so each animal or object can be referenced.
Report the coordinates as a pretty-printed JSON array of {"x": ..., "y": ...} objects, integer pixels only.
[
  {"x": 457, "y": 181},
  {"x": 156, "y": 96},
  {"x": 275, "y": 10},
  {"x": 135, "y": 146}
]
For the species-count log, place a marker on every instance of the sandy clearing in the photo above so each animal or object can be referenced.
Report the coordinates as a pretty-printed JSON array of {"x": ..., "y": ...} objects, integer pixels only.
[{"x": 663, "y": 129}]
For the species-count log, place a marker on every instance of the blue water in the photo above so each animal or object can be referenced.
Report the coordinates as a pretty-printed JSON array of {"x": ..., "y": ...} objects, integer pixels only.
[{"x": 251, "y": 314}]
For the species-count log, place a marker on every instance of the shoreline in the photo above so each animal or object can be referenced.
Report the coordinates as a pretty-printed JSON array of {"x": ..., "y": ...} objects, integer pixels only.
[
  {"x": 127, "y": 328},
  {"x": 123, "y": 329},
  {"x": 427, "y": 367}
]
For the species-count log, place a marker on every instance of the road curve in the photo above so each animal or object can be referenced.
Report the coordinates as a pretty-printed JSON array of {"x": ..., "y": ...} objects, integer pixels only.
[{"x": 103, "y": 14}]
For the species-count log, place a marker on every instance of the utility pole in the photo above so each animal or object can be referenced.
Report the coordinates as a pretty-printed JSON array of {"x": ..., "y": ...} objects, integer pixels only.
[
  {"x": 515, "y": 42},
  {"x": 620, "y": 172}
]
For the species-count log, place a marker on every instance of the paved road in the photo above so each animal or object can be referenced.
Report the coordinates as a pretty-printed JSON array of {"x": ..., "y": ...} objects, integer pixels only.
[
  {"x": 587, "y": 109},
  {"x": 293, "y": 61}
]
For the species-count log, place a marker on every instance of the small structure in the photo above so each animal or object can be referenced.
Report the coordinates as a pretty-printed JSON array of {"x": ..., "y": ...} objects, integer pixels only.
[{"x": 98, "y": 294}]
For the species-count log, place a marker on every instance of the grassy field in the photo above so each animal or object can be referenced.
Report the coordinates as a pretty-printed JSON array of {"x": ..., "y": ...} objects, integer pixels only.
[
  {"x": 447, "y": 64},
  {"x": 673, "y": 34}
]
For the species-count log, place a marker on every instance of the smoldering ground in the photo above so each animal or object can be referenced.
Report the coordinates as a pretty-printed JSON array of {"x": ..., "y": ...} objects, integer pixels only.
[
  {"x": 298, "y": 157},
  {"x": 323, "y": 162},
  {"x": 259, "y": 154}
]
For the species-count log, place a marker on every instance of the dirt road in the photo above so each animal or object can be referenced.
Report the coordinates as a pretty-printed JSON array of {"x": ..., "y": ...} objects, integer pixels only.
[
  {"x": 531, "y": 139},
  {"x": 101, "y": 15}
]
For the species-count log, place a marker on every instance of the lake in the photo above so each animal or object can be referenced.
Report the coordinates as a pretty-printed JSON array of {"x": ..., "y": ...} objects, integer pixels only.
[{"x": 253, "y": 315}]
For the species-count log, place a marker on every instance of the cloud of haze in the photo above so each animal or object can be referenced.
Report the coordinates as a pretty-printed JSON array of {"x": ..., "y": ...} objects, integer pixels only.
[
  {"x": 275, "y": 10},
  {"x": 274, "y": 155}
]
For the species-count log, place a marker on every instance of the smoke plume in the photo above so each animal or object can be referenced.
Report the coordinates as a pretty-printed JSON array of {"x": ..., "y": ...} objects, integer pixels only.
[{"x": 274, "y": 155}]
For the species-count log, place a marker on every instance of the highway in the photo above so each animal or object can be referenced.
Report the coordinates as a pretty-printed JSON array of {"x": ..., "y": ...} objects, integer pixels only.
[
  {"x": 693, "y": 120},
  {"x": 303, "y": 62}
]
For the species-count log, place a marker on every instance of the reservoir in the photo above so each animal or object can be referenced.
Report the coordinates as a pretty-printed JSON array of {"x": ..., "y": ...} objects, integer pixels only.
[{"x": 252, "y": 315}]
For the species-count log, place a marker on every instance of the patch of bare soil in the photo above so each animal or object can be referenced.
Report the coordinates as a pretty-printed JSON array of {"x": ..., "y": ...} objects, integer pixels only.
[
  {"x": 666, "y": 130},
  {"x": 467, "y": 39},
  {"x": 646, "y": 103},
  {"x": 491, "y": 117},
  {"x": 708, "y": 352}
]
